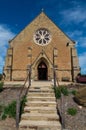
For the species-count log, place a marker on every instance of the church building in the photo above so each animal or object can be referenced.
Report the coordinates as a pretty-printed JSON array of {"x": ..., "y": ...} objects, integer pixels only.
[{"x": 43, "y": 46}]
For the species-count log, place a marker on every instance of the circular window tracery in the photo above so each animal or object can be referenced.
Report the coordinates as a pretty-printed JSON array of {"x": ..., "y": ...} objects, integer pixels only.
[{"x": 42, "y": 36}]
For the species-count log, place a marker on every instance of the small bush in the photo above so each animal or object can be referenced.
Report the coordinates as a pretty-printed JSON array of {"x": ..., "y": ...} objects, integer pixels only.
[
  {"x": 59, "y": 90},
  {"x": 10, "y": 110},
  {"x": 1, "y": 86},
  {"x": 64, "y": 90},
  {"x": 74, "y": 92},
  {"x": 57, "y": 93},
  {"x": 72, "y": 111}
]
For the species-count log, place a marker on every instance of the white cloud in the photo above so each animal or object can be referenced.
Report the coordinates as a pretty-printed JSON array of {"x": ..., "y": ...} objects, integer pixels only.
[
  {"x": 75, "y": 15},
  {"x": 77, "y": 35},
  {"x": 82, "y": 62},
  {"x": 5, "y": 35},
  {"x": 82, "y": 42}
]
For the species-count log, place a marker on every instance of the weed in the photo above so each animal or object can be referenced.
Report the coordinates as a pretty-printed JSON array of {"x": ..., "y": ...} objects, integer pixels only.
[
  {"x": 74, "y": 92},
  {"x": 57, "y": 92},
  {"x": 72, "y": 111},
  {"x": 64, "y": 90},
  {"x": 10, "y": 110}
]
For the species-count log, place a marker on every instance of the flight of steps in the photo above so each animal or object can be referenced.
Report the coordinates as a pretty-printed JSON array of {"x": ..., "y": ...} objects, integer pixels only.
[{"x": 40, "y": 112}]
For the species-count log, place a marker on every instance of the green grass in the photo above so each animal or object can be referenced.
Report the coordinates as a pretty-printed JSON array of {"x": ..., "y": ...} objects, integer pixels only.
[
  {"x": 59, "y": 90},
  {"x": 57, "y": 93},
  {"x": 72, "y": 111},
  {"x": 64, "y": 90},
  {"x": 10, "y": 110},
  {"x": 74, "y": 92}
]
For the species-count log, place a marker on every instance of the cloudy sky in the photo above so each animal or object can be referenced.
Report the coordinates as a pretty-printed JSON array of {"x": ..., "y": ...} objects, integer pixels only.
[{"x": 69, "y": 15}]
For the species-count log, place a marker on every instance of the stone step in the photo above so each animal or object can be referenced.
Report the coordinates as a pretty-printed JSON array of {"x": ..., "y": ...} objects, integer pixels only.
[
  {"x": 40, "y": 112},
  {"x": 43, "y": 110},
  {"x": 41, "y": 94},
  {"x": 40, "y": 128},
  {"x": 53, "y": 125},
  {"x": 49, "y": 102},
  {"x": 40, "y": 116},
  {"x": 40, "y": 103},
  {"x": 41, "y": 83},
  {"x": 39, "y": 98},
  {"x": 41, "y": 90},
  {"x": 41, "y": 87}
]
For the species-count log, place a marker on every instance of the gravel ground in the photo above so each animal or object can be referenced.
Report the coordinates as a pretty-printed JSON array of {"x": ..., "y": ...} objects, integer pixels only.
[
  {"x": 77, "y": 122},
  {"x": 9, "y": 94}
]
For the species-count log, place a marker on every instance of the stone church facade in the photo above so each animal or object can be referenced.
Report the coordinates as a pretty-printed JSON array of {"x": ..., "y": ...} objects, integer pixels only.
[{"x": 43, "y": 46}]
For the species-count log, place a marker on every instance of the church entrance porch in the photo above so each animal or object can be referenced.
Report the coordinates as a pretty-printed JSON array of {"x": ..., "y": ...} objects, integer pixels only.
[{"x": 42, "y": 71}]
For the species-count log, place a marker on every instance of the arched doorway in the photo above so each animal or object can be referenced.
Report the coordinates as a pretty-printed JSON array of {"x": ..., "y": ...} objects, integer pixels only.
[{"x": 42, "y": 71}]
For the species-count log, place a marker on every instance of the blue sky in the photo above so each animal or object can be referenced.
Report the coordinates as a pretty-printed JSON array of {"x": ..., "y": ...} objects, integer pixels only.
[{"x": 69, "y": 15}]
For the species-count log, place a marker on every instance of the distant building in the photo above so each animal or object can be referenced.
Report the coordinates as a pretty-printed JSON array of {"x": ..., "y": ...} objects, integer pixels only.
[{"x": 43, "y": 45}]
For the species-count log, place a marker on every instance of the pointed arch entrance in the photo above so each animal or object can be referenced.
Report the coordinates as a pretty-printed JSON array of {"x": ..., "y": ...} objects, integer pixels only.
[{"x": 42, "y": 71}]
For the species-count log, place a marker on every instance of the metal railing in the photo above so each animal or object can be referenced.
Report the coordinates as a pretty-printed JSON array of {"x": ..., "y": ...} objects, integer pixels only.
[
  {"x": 56, "y": 83},
  {"x": 18, "y": 102}
]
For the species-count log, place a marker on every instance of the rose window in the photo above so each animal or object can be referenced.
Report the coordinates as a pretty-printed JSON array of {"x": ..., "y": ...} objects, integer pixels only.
[{"x": 42, "y": 36}]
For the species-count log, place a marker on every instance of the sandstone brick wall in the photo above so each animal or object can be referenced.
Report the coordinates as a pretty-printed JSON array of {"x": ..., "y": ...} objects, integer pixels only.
[{"x": 25, "y": 52}]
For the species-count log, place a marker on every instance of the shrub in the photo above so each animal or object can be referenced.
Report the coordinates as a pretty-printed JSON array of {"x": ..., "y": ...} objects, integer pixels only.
[
  {"x": 1, "y": 86},
  {"x": 74, "y": 92},
  {"x": 64, "y": 90},
  {"x": 10, "y": 110},
  {"x": 57, "y": 92},
  {"x": 72, "y": 111}
]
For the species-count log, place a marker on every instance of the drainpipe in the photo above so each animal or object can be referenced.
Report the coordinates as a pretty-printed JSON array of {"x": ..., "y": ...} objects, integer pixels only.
[
  {"x": 72, "y": 70},
  {"x": 54, "y": 69}
]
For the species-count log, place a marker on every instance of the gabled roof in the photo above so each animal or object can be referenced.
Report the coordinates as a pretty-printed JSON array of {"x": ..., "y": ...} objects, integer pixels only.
[{"x": 41, "y": 15}]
